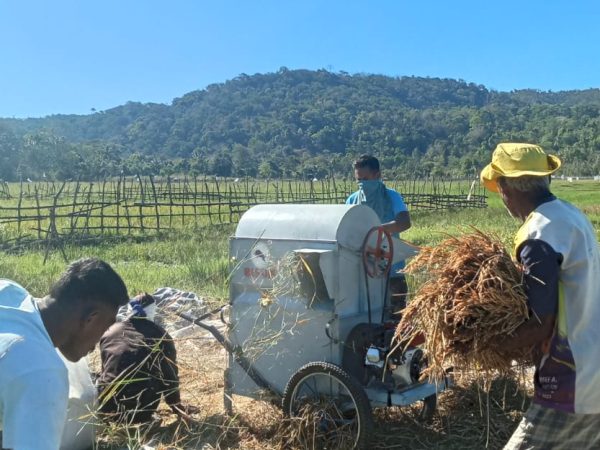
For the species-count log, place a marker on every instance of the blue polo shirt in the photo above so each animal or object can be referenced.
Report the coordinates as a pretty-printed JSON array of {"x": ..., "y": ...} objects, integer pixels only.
[{"x": 398, "y": 206}]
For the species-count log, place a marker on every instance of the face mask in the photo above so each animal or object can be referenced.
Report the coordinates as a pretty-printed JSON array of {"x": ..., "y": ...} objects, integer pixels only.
[
  {"x": 373, "y": 194},
  {"x": 370, "y": 187}
]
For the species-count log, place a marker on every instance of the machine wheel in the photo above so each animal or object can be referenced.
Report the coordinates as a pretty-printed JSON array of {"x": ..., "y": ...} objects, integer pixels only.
[
  {"x": 378, "y": 255},
  {"x": 333, "y": 404},
  {"x": 428, "y": 409}
]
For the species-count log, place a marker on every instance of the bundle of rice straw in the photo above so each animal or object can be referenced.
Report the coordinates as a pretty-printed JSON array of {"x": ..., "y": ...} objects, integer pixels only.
[{"x": 472, "y": 297}]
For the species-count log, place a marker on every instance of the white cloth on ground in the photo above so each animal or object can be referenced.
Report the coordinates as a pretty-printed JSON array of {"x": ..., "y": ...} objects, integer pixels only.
[
  {"x": 169, "y": 302},
  {"x": 173, "y": 301}
]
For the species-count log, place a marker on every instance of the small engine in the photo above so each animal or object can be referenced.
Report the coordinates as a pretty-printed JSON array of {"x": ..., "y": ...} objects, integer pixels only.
[{"x": 375, "y": 361}]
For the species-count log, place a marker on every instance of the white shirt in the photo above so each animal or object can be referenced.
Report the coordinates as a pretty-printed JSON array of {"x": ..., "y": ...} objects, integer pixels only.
[
  {"x": 34, "y": 384},
  {"x": 570, "y": 375}
]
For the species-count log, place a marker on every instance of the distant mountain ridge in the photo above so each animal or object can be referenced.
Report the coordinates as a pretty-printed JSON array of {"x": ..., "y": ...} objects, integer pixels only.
[{"x": 293, "y": 122}]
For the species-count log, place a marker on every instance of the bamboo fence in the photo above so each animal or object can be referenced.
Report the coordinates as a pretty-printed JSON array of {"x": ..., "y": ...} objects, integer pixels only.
[{"x": 53, "y": 212}]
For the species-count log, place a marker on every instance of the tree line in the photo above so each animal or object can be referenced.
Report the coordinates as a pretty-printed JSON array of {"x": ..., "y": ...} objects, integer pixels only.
[{"x": 301, "y": 123}]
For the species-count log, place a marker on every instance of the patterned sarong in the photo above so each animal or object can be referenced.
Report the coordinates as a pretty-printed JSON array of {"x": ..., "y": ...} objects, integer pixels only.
[{"x": 547, "y": 428}]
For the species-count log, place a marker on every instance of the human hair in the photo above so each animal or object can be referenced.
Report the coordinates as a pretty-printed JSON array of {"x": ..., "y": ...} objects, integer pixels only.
[
  {"x": 367, "y": 161},
  {"x": 89, "y": 280},
  {"x": 527, "y": 183}
]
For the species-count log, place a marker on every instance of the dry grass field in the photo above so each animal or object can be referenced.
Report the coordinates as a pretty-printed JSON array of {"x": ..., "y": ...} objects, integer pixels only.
[{"x": 467, "y": 417}]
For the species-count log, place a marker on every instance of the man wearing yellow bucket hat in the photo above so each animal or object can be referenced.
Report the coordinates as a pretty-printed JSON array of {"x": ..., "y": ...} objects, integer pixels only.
[{"x": 558, "y": 248}]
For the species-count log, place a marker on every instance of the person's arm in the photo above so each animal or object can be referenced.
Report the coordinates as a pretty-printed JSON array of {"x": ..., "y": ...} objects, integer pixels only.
[
  {"x": 401, "y": 220},
  {"x": 400, "y": 223},
  {"x": 169, "y": 372},
  {"x": 531, "y": 334},
  {"x": 35, "y": 410},
  {"x": 171, "y": 380},
  {"x": 541, "y": 268}
]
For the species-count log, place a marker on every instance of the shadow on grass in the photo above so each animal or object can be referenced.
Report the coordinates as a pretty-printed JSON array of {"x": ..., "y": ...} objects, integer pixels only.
[
  {"x": 212, "y": 432},
  {"x": 29, "y": 242},
  {"x": 467, "y": 418},
  {"x": 24, "y": 244}
]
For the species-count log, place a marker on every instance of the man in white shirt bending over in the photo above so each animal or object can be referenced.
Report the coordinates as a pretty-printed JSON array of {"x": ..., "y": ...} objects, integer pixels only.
[{"x": 34, "y": 384}]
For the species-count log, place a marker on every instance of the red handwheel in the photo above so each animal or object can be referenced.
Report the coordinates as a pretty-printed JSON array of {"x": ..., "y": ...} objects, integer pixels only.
[{"x": 377, "y": 258}]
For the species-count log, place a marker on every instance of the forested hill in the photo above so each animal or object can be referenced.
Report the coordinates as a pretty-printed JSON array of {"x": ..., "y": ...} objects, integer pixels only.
[{"x": 307, "y": 123}]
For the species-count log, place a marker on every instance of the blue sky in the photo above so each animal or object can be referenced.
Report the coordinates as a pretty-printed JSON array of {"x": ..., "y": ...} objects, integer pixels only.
[{"x": 68, "y": 56}]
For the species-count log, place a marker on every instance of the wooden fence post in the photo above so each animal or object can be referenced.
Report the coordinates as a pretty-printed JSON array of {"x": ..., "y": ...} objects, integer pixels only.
[{"x": 156, "y": 210}]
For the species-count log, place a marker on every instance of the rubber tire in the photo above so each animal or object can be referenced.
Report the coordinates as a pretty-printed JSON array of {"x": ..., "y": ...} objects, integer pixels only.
[{"x": 363, "y": 406}]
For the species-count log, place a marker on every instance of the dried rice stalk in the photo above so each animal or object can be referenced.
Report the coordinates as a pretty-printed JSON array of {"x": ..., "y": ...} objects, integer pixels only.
[
  {"x": 317, "y": 426},
  {"x": 472, "y": 296}
]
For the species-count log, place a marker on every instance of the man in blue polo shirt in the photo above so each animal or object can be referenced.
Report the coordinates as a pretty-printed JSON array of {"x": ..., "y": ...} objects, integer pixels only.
[{"x": 393, "y": 213}]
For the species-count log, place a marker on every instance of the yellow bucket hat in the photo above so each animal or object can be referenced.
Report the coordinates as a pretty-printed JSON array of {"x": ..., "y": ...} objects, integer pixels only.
[{"x": 515, "y": 160}]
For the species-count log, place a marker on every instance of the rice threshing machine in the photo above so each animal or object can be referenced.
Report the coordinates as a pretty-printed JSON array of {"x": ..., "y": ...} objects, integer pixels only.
[{"x": 309, "y": 319}]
